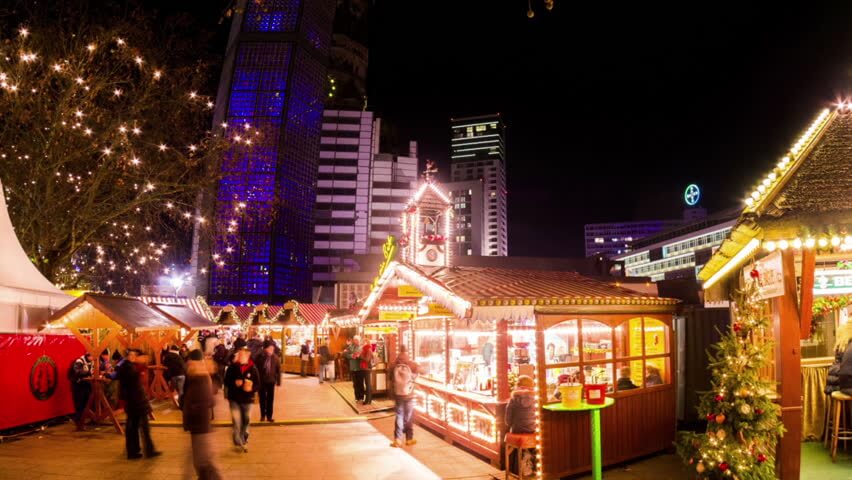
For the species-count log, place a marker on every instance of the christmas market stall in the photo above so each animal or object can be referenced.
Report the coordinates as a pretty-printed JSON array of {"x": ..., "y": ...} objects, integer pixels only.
[
  {"x": 475, "y": 330},
  {"x": 301, "y": 322},
  {"x": 104, "y": 321},
  {"x": 190, "y": 321},
  {"x": 794, "y": 239}
]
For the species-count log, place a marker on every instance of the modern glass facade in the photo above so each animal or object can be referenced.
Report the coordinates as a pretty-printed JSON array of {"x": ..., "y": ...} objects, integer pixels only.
[{"x": 265, "y": 200}]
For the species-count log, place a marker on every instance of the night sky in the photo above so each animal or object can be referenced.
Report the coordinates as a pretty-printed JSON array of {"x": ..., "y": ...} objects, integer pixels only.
[{"x": 611, "y": 109}]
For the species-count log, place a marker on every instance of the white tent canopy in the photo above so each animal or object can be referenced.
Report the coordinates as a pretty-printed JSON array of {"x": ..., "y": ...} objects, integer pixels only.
[{"x": 26, "y": 297}]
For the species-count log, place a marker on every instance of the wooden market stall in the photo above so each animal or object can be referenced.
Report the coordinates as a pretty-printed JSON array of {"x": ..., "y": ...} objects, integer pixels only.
[
  {"x": 104, "y": 321},
  {"x": 301, "y": 322},
  {"x": 796, "y": 230},
  {"x": 475, "y": 330},
  {"x": 190, "y": 321}
]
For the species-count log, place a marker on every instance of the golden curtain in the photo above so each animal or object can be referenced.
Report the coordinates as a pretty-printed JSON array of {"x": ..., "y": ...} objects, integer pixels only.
[{"x": 814, "y": 402}]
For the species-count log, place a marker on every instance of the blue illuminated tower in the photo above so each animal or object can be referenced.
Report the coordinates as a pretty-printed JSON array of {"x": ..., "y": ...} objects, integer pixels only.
[{"x": 274, "y": 79}]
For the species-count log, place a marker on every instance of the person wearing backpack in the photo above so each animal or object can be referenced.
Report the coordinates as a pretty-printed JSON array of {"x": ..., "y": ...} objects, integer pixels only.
[{"x": 403, "y": 372}]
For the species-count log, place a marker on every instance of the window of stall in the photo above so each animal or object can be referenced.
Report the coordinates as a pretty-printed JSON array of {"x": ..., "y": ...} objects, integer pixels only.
[
  {"x": 295, "y": 336},
  {"x": 430, "y": 342},
  {"x": 632, "y": 355},
  {"x": 473, "y": 346}
]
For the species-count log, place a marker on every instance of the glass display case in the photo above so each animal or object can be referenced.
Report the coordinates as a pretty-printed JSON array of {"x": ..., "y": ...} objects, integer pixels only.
[{"x": 629, "y": 355}]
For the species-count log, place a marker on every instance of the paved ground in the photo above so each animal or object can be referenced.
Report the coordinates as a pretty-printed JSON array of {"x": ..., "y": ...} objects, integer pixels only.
[{"x": 357, "y": 450}]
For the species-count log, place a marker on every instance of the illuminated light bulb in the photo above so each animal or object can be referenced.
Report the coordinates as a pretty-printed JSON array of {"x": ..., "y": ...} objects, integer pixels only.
[
  {"x": 835, "y": 241},
  {"x": 209, "y": 104},
  {"x": 192, "y": 95},
  {"x": 57, "y": 67},
  {"x": 23, "y": 32},
  {"x": 28, "y": 57},
  {"x": 797, "y": 243},
  {"x": 91, "y": 47},
  {"x": 117, "y": 92},
  {"x": 192, "y": 148},
  {"x": 822, "y": 242},
  {"x": 136, "y": 130},
  {"x": 119, "y": 41},
  {"x": 87, "y": 131},
  {"x": 224, "y": 124},
  {"x": 157, "y": 74},
  {"x": 107, "y": 150},
  {"x": 848, "y": 240},
  {"x": 78, "y": 114},
  {"x": 122, "y": 129},
  {"x": 237, "y": 138},
  {"x": 769, "y": 246},
  {"x": 162, "y": 147},
  {"x": 783, "y": 244},
  {"x": 79, "y": 80},
  {"x": 138, "y": 60},
  {"x": 755, "y": 195},
  {"x": 766, "y": 182},
  {"x": 134, "y": 161},
  {"x": 169, "y": 205},
  {"x": 761, "y": 188},
  {"x": 810, "y": 242},
  {"x": 749, "y": 201}
]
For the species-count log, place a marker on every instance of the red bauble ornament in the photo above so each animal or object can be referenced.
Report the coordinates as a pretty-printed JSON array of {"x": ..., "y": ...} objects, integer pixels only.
[
  {"x": 737, "y": 327},
  {"x": 723, "y": 466},
  {"x": 758, "y": 411},
  {"x": 719, "y": 398},
  {"x": 754, "y": 273},
  {"x": 761, "y": 458},
  {"x": 711, "y": 417}
]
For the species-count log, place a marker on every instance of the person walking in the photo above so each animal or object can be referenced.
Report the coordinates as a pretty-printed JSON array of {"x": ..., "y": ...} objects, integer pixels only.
[
  {"x": 403, "y": 372},
  {"x": 366, "y": 371},
  {"x": 198, "y": 401},
  {"x": 175, "y": 371},
  {"x": 307, "y": 355},
  {"x": 269, "y": 367},
  {"x": 81, "y": 386},
  {"x": 136, "y": 407},
  {"x": 352, "y": 353},
  {"x": 241, "y": 382},
  {"x": 326, "y": 360}
]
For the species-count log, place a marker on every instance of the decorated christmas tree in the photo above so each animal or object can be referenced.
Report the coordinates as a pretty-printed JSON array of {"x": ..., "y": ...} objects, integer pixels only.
[{"x": 743, "y": 424}]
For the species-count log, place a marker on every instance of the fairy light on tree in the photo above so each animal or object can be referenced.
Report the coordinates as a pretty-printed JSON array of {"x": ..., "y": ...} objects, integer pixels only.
[
  {"x": 743, "y": 424},
  {"x": 94, "y": 192}
]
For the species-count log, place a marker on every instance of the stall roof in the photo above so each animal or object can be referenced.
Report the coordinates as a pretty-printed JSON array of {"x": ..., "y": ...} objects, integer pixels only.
[
  {"x": 198, "y": 306},
  {"x": 183, "y": 315},
  {"x": 130, "y": 313},
  {"x": 483, "y": 293},
  {"x": 806, "y": 194}
]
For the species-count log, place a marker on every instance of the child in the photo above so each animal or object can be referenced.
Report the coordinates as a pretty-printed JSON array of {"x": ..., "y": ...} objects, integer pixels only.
[{"x": 520, "y": 411}]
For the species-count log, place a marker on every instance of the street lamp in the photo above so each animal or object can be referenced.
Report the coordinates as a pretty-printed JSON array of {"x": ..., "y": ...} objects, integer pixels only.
[{"x": 176, "y": 282}]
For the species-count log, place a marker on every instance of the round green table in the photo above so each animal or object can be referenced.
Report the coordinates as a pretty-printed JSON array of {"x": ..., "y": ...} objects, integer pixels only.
[{"x": 595, "y": 416}]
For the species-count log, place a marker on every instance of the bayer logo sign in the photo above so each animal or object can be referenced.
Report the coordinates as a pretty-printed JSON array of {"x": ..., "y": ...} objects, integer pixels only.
[{"x": 692, "y": 194}]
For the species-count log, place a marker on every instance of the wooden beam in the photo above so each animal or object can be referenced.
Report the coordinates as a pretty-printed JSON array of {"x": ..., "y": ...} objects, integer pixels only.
[
  {"x": 806, "y": 306},
  {"x": 788, "y": 360}
]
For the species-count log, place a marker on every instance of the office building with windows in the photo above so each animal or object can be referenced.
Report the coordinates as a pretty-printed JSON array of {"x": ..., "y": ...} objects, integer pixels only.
[
  {"x": 274, "y": 79},
  {"x": 468, "y": 216},
  {"x": 611, "y": 239},
  {"x": 679, "y": 252},
  {"x": 478, "y": 152},
  {"x": 393, "y": 180},
  {"x": 342, "y": 211}
]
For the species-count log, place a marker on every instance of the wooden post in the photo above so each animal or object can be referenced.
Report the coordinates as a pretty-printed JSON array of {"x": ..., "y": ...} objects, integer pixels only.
[
  {"x": 788, "y": 361},
  {"x": 806, "y": 307},
  {"x": 502, "y": 348}
]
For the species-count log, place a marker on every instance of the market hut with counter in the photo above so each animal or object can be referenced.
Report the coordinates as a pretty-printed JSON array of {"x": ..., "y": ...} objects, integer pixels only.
[
  {"x": 795, "y": 234},
  {"x": 475, "y": 330}
]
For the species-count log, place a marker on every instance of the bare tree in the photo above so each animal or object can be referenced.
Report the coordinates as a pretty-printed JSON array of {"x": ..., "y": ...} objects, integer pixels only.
[{"x": 104, "y": 147}]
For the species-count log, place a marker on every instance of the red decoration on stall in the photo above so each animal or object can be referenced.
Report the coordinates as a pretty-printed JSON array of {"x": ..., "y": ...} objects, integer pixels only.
[
  {"x": 723, "y": 466},
  {"x": 761, "y": 457},
  {"x": 754, "y": 273},
  {"x": 719, "y": 398}
]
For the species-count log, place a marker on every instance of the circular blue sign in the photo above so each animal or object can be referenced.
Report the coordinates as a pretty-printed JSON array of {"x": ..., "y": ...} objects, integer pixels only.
[{"x": 692, "y": 194}]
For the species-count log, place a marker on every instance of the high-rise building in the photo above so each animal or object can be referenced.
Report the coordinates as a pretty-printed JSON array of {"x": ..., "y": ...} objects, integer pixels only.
[
  {"x": 478, "y": 146},
  {"x": 274, "y": 79},
  {"x": 468, "y": 216},
  {"x": 393, "y": 179},
  {"x": 611, "y": 239},
  {"x": 342, "y": 212}
]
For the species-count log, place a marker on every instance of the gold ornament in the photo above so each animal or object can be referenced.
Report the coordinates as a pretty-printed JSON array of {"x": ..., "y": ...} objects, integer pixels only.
[
  {"x": 700, "y": 468},
  {"x": 720, "y": 419},
  {"x": 530, "y": 13},
  {"x": 721, "y": 434}
]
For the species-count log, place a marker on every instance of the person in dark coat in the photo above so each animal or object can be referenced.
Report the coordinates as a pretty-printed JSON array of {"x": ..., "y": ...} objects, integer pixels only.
[
  {"x": 269, "y": 367},
  {"x": 136, "y": 406},
  {"x": 198, "y": 400},
  {"x": 624, "y": 382},
  {"x": 81, "y": 386},
  {"x": 175, "y": 372},
  {"x": 520, "y": 411},
  {"x": 306, "y": 354},
  {"x": 241, "y": 381}
]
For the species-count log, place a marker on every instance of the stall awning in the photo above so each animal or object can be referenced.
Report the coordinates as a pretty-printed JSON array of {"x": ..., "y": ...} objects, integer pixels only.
[
  {"x": 183, "y": 315},
  {"x": 130, "y": 313},
  {"x": 192, "y": 303}
]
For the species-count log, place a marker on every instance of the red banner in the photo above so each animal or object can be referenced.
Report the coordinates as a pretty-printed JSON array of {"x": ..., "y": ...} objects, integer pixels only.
[{"x": 34, "y": 377}]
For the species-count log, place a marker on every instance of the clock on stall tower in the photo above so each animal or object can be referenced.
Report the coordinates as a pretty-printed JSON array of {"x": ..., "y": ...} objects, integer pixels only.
[{"x": 427, "y": 227}]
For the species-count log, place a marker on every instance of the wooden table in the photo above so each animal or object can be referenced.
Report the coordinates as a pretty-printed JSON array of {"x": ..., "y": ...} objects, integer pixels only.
[{"x": 595, "y": 419}]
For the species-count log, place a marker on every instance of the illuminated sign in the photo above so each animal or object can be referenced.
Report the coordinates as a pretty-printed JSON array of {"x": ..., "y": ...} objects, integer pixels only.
[
  {"x": 389, "y": 251},
  {"x": 692, "y": 194},
  {"x": 408, "y": 291},
  {"x": 829, "y": 282},
  {"x": 437, "y": 309},
  {"x": 391, "y": 316}
]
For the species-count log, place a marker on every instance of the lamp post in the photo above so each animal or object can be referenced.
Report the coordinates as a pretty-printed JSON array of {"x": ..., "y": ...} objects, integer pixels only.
[{"x": 176, "y": 282}]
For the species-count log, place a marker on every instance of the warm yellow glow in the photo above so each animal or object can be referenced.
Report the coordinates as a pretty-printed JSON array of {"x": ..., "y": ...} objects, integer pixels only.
[
  {"x": 822, "y": 242},
  {"x": 747, "y": 250},
  {"x": 783, "y": 244},
  {"x": 797, "y": 243},
  {"x": 810, "y": 242},
  {"x": 769, "y": 246},
  {"x": 835, "y": 241}
]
